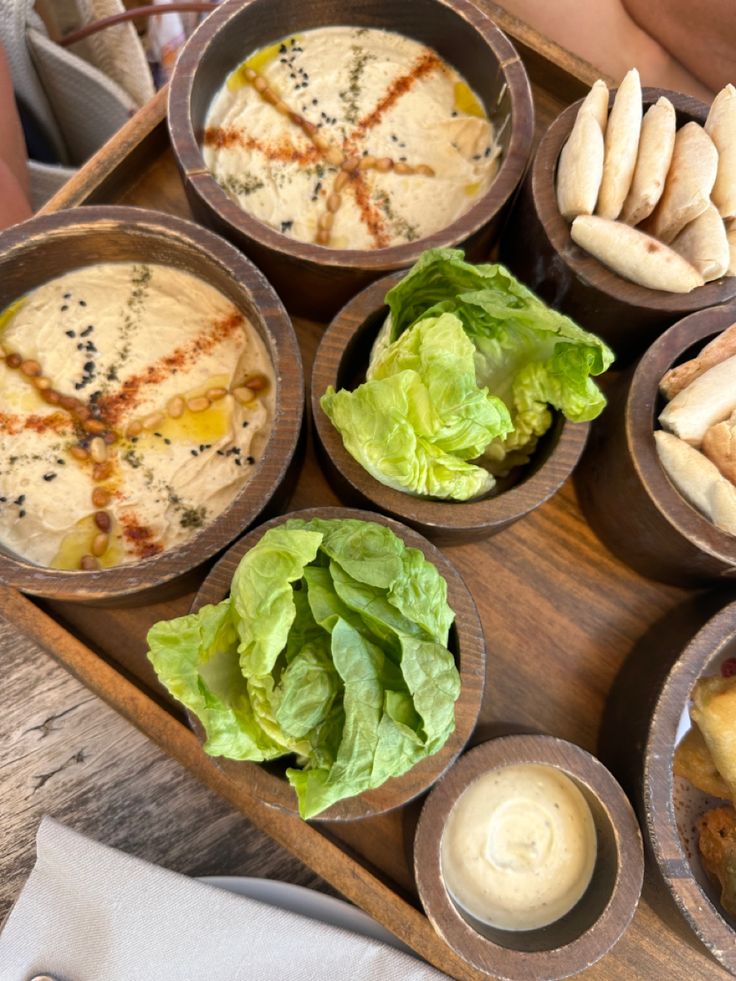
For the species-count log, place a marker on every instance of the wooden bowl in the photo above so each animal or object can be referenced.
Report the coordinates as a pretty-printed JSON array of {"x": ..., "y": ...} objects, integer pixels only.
[
  {"x": 311, "y": 278},
  {"x": 467, "y": 643},
  {"x": 641, "y": 727},
  {"x": 538, "y": 248},
  {"x": 593, "y": 926},
  {"x": 47, "y": 246},
  {"x": 341, "y": 360},
  {"x": 624, "y": 490}
]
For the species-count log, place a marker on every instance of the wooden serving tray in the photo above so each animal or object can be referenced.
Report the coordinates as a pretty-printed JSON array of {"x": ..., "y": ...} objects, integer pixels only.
[{"x": 560, "y": 615}]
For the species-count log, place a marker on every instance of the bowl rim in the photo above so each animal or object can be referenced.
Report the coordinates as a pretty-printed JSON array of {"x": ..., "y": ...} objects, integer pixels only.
[
  {"x": 482, "y": 953},
  {"x": 197, "y": 176},
  {"x": 276, "y": 330},
  {"x": 586, "y": 267},
  {"x": 711, "y": 641},
  {"x": 481, "y": 516},
  {"x": 640, "y": 422},
  {"x": 471, "y": 650}
]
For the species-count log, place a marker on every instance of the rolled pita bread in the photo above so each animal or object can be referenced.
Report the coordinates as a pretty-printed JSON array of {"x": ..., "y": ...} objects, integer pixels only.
[
  {"x": 679, "y": 377},
  {"x": 580, "y": 168},
  {"x": 698, "y": 480},
  {"x": 704, "y": 244},
  {"x": 656, "y": 144},
  {"x": 708, "y": 399},
  {"x": 622, "y": 143},
  {"x": 731, "y": 236},
  {"x": 634, "y": 255},
  {"x": 721, "y": 127},
  {"x": 596, "y": 103},
  {"x": 689, "y": 182},
  {"x": 719, "y": 445}
]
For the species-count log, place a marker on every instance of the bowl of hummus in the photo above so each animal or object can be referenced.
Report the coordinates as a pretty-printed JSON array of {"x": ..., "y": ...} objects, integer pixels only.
[
  {"x": 333, "y": 148},
  {"x": 151, "y": 398}
]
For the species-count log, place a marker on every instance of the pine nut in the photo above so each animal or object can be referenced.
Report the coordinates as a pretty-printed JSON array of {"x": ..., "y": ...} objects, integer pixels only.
[
  {"x": 282, "y": 107},
  {"x": 295, "y": 118},
  {"x": 326, "y": 220},
  {"x": 309, "y": 128},
  {"x": 134, "y": 428},
  {"x": 175, "y": 407},
  {"x": 384, "y": 164},
  {"x": 155, "y": 419},
  {"x": 259, "y": 83},
  {"x": 367, "y": 162},
  {"x": 103, "y": 521},
  {"x": 249, "y": 73},
  {"x": 13, "y": 360},
  {"x": 340, "y": 181},
  {"x": 243, "y": 394},
  {"x": 52, "y": 397},
  {"x": 100, "y": 543},
  {"x": 100, "y": 497},
  {"x": 30, "y": 368},
  {"x": 351, "y": 164},
  {"x": 199, "y": 404},
  {"x": 321, "y": 142},
  {"x": 323, "y": 237},
  {"x": 89, "y": 563},
  {"x": 334, "y": 156},
  {"x": 69, "y": 402},
  {"x": 270, "y": 96},
  {"x": 425, "y": 170},
  {"x": 403, "y": 168},
  {"x": 98, "y": 450},
  {"x": 94, "y": 426},
  {"x": 41, "y": 383},
  {"x": 333, "y": 202},
  {"x": 213, "y": 394},
  {"x": 78, "y": 452},
  {"x": 256, "y": 382},
  {"x": 110, "y": 437},
  {"x": 82, "y": 413},
  {"x": 101, "y": 471}
]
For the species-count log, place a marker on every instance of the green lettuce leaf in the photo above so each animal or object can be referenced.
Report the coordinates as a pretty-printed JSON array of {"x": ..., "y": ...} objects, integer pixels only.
[{"x": 420, "y": 416}]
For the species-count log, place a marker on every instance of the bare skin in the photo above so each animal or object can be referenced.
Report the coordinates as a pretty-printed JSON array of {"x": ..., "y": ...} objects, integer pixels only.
[
  {"x": 14, "y": 180},
  {"x": 671, "y": 42}
]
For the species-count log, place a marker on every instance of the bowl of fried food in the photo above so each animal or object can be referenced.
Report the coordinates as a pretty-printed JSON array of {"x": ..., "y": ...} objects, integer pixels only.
[{"x": 627, "y": 217}]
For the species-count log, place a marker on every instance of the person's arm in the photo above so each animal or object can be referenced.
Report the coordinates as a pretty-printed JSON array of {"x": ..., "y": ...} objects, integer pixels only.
[
  {"x": 605, "y": 34},
  {"x": 700, "y": 34},
  {"x": 14, "y": 178}
]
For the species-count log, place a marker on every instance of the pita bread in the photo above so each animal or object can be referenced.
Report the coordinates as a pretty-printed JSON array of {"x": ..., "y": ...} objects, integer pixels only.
[
  {"x": 719, "y": 445},
  {"x": 634, "y": 255},
  {"x": 656, "y": 144},
  {"x": 689, "y": 182},
  {"x": 714, "y": 712},
  {"x": 709, "y": 399},
  {"x": 679, "y": 377},
  {"x": 580, "y": 168},
  {"x": 698, "y": 480},
  {"x": 622, "y": 143},
  {"x": 721, "y": 127},
  {"x": 704, "y": 244},
  {"x": 694, "y": 762},
  {"x": 596, "y": 103}
]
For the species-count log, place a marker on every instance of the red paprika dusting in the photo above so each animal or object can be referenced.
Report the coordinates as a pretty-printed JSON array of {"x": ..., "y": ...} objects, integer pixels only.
[{"x": 282, "y": 151}]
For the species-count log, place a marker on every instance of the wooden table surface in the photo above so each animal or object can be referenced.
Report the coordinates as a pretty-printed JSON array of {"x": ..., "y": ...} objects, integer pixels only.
[{"x": 560, "y": 615}]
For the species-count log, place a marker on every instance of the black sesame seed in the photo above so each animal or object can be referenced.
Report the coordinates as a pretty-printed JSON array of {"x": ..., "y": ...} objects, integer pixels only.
[
  {"x": 21, "y": 513},
  {"x": 237, "y": 462},
  {"x": 202, "y": 447},
  {"x": 20, "y": 500},
  {"x": 134, "y": 439},
  {"x": 251, "y": 460},
  {"x": 315, "y": 101},
  {"x": 89, "y": 366},
  {"x": 87, "y": 331},
  {"x": 49, "y": 476},
  {"x": 67, "y": 296},
  {"x": 245, "y": 424},
  {"x": 83, "y": 303},
  {"x": 62, "y": 463},
  {"x": 194, "y": 453},
  {"x": 157, "y": 434},
  {"x": 167, "y": 441},
  {"x": 3, "y": 500},
  {"x": 70, "y": 333},
  {"x": 64, "y": 308},
  {"x": 80, "y": 347}
]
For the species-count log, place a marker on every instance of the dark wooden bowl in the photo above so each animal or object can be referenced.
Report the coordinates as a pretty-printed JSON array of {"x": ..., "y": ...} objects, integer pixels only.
[
  {"x": 310, "y": 278},
  {"x": 638, "y": 739},
  {"x": 44, "y": 247},
  {"x": 623, "y": 489},
  {"x": 341, "y": 360},
  {"x": 594, "y": 925},
  {"x": 538, "y": 248},
  {"x": 467, "y": 643}
]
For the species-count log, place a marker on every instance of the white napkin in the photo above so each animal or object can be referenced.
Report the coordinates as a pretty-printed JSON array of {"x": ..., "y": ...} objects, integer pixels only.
[{"x": 89, "y": 912}]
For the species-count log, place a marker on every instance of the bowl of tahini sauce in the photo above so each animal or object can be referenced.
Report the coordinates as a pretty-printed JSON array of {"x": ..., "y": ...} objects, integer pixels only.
[{"x": 528, "y": 858}]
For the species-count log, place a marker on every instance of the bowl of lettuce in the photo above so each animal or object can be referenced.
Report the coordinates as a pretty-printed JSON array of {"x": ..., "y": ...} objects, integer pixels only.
[
  {"x": 452, "y": 398},
  {"x": 333, "y": 661}
]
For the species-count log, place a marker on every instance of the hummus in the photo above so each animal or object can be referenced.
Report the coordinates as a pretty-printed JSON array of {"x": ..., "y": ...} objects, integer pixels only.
[
  {"x": 350, "y": 137},
  {"x": 135, "y": 402},
  {"x": 519, "y": 847}
]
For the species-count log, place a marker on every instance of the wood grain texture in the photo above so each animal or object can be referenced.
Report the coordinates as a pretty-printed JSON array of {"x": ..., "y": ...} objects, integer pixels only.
[
  {"x": 593, "y": 926},
  {"x": 539, "y": 249},
  {"x": 658, "y": 532},
  {"x": 467, "y": 644},
  {"x": 341, "y": 361},
  {"x": 559, "y": 611},
  {"x": 51, "y": 245},
  {"x": 310, "y": 278}
]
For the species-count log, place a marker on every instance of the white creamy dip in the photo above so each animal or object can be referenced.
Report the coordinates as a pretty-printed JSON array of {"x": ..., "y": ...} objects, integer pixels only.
[
  {"x": 126, "y": 421},
  {"x": 519, "y": 847},
  {"x": 349, "y": 137}
]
